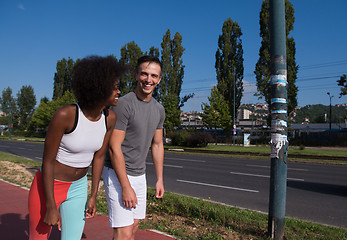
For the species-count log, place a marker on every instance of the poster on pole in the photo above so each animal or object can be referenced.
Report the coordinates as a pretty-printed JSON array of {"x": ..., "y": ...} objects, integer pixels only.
[{"x": 246, "y": 139}]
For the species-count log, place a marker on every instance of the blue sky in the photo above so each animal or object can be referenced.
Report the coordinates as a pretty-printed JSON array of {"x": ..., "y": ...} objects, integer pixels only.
[{"x": 34, "y": 35}]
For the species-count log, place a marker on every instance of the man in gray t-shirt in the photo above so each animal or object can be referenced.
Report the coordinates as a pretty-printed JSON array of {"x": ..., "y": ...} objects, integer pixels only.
[{"x": 139, "y": 126}]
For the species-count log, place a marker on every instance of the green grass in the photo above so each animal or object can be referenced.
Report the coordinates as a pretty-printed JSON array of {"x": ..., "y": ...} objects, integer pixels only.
[
  {"x": 19, "y": 160},
  {"x": 190, "y": 218}
]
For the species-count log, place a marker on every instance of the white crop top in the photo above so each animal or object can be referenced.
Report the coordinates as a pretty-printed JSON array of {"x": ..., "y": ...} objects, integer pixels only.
[{"x": 77, "y": 147}]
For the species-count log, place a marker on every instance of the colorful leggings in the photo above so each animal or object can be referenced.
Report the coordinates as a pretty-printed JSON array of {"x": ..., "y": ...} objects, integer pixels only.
[{"x": 70, "y": 198}]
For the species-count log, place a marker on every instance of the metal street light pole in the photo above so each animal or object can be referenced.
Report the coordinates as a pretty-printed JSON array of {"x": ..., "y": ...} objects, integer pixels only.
[{"x": 330, "y": 96}]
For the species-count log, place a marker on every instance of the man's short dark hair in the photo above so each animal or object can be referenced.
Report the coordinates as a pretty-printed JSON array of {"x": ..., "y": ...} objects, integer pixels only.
[{"x": 149, "y": 59}]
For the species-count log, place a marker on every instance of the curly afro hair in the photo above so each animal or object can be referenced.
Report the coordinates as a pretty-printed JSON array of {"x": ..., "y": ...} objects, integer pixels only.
[{"x": 93, "y": 79}]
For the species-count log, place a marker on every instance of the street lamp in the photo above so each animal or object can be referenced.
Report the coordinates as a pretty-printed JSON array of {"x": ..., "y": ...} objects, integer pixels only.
[{"x": 330, "y": 96}]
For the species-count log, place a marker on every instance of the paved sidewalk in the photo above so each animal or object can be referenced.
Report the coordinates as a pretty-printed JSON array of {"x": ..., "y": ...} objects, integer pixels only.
[{"x": 14, "y": 219}]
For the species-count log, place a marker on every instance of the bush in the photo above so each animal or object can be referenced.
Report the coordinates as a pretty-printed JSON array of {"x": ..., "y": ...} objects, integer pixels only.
[
  {"x": 199, "y": 139},
  {"x": 178, "y": 138}
]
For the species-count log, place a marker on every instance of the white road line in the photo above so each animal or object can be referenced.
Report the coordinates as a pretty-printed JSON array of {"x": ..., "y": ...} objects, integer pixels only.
[
  {"x": 219, "y": 186},
  {"x": 166, "y": 165},
  {"x": 264, "y": 176},
  {"x": 182, "y": 159},
  {"x": 261, "y": 166}
]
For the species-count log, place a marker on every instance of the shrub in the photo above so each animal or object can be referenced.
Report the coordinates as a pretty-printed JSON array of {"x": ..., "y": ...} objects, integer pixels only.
[
  {"x": 199, "y": 139},
  {"x": 178, "y": 138}
]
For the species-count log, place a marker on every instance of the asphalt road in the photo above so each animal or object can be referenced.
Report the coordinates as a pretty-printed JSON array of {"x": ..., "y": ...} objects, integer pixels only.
[{"x": 315, "y": 192}]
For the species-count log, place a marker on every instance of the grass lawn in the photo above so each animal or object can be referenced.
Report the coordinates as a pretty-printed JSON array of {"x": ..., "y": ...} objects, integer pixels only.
[{"x": 186, "y": 217}]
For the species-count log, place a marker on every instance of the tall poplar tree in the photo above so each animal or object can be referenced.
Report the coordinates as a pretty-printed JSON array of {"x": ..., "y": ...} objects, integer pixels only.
[
  {"x": 26, "y": 101},
  {"x": 262, "y": 68},
  {"x": 62, "y": 78},
  {"x": 229, "y": 65},
  {"x": 169, "y": 89},
  {"x": 130, "y": 53}
]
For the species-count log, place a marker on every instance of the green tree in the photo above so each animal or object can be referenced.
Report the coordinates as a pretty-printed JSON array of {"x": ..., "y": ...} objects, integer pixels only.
[
  {"x": 153, "y": 51},
  {"x": 229, "y": 65},
  {"x": 7, "y": 102},
  {"x": 262, "y": 68},
  {"x": 130, "y": 52},
  {"x": 62, "y": 78},
  {"x": 26, "y": 101},
  {"x": 44, "y": 112},
  {"x": 216, "y": 112},
  {"x": 343, "y": 83},
  {"x": 169, "y": 89}
]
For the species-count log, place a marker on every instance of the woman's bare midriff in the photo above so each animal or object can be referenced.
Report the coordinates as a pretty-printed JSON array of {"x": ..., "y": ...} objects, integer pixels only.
[{"x": 66, "y": 173}]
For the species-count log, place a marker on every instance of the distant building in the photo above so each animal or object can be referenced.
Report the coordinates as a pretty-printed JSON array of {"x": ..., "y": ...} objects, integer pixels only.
[
  {"x": 191, "y": 120},
  {"x": 243, "y": 114}
]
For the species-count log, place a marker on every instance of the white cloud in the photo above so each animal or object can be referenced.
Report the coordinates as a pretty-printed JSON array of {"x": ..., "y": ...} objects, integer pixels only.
[{"x": 20, "y": 6}]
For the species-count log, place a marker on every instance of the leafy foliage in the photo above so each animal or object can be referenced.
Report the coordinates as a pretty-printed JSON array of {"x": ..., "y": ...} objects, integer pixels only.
[
  {"x": 216, "y": 112},
  {"x": 130, "y": 52},
  {"x": 343, "y": 83},
  {"x": 7, "y": 102},
  {"x": 262, "y": 68},
  {"x": 26, "y": 101},
  {"x": 172, "y": 78},
  {"x": 45, "y": 111},
  {"x": 229, "y": 65},
  {"x": 62, "y": 78},
  {"x": 319, "y": 113}
]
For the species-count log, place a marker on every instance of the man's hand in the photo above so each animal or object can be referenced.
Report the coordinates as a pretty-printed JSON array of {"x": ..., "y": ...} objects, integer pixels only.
[
  {"x": 129, "y": 197},
  {"x": 159, "y": 193}
]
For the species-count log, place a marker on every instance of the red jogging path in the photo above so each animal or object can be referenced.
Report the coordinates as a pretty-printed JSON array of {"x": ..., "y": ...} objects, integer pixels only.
[{"x": 14, "y": 222}]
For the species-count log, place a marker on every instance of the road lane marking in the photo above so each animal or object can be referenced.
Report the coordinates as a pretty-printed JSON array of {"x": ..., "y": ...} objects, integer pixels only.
[
  {"x": 219, "y": 186},
  {"x": 261, "y": 166},
  {"x": 188, "y": 160},
  {"x": 166, "y": 165},
  {"x": 264, "y": 176}
]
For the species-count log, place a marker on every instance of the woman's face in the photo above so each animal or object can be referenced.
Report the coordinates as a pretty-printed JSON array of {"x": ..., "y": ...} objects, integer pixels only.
[{"x": 113, "y": 98}]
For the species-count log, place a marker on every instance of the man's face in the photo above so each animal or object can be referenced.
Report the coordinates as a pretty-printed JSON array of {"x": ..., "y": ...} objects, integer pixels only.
[{"x": 148, "y": 77}]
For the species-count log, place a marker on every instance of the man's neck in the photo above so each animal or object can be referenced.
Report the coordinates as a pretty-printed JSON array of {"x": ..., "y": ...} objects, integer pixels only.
[{"x": 142, "y": 96}]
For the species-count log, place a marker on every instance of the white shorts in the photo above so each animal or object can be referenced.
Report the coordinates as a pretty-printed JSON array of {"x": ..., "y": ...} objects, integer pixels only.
[{"x": 118, "y": 214}]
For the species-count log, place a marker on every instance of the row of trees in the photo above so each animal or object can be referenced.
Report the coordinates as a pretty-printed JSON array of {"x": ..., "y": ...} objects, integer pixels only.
[
  {"x": 225, "y": 99},
  {"x": 168, "y": 92},
  {"x": 19, "y": 109}
]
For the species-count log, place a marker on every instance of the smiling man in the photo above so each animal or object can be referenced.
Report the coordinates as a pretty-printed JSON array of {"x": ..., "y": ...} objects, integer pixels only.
[{"x": 139, "y": 126}]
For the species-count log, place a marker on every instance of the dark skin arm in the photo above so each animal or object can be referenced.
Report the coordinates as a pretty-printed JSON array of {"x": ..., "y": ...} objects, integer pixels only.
[
  {"x": 62, "y": 121},
  {"x": 98, "y": 163}
]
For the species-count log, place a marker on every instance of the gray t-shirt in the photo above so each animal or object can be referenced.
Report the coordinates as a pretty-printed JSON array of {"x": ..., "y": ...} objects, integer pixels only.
[{"x": 139, "y": 120}]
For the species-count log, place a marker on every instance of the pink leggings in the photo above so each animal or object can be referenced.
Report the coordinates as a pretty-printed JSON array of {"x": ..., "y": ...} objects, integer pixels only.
[{"x": 70, "y": 198}]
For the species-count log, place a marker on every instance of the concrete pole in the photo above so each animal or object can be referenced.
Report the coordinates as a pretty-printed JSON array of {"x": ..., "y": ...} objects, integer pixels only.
[{"x": 279, "y": 142}]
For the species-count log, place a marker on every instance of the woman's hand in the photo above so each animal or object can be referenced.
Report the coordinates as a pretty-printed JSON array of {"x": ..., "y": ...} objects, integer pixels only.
[
  {"x": 52, "y": 218},
  {"x": 91, "y": 209}
]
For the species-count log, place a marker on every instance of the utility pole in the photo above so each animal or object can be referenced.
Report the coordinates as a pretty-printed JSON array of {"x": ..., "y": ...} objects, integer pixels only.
[
  {"x": 330, "y": 96},
  {"x": 279, "y": 132},
  {"x": 234, "y": 123}
]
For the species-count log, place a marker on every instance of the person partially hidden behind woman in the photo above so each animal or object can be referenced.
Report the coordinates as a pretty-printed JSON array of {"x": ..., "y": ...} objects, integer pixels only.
[{"x": 77, "y": 136}]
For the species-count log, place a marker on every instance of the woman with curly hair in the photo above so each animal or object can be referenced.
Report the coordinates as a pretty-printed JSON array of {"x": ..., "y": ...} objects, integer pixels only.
[{"x": 77, "y": 136}]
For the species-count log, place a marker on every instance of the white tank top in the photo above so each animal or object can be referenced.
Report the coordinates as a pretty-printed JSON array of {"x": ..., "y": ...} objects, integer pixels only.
[{"x": 77, "y": 147}]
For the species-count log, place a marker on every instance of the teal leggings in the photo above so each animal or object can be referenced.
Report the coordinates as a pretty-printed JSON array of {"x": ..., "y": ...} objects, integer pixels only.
[{"x": 70, "y": 198}]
